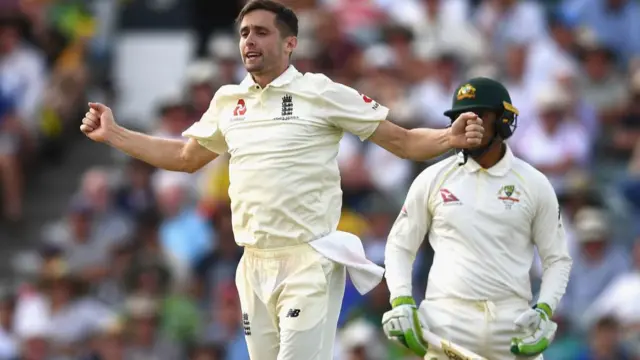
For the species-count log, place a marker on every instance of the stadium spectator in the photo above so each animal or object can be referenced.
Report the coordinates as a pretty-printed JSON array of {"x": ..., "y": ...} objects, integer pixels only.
[
  {"x": 22, "y": 71},
  {"x": 605, "y": 342},
  {"x": 553, "y": 142},
  {"x": 145, "y": 340},
  {"x": 619, "y": 298},
  {"x": 12, "y": 134},
  {"x": 597, "y": 262}
]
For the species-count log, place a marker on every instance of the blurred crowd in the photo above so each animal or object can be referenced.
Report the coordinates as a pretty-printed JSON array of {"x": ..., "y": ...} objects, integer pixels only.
[{"x": 142, "y": 264}]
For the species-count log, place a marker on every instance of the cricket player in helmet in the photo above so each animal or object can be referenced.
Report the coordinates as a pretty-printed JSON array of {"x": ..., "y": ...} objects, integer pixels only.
[
  {"x": 493, "y": 98},
  {"x": 484, "y": 212}
]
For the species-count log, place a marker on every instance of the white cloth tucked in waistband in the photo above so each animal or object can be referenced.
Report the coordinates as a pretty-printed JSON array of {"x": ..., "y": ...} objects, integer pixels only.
[{"x": 346, "y": 249}]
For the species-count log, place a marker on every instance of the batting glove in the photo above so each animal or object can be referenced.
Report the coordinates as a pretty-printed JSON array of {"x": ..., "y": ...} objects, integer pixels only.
[
  {"x": 539, "y": 330},
  {"x": 403, "y": 324}
]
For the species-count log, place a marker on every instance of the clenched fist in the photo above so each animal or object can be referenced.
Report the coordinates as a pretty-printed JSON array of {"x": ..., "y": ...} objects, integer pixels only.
[
  {"x": 98, "y": 123},
  {"x": 466, "y": 131}
]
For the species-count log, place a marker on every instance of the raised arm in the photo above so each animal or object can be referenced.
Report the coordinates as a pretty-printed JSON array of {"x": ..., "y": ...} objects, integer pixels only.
[
  {"x": 364, "y": 117},
  {"x": 175, "y": 155},
  {"x": 168, "y": 154}
]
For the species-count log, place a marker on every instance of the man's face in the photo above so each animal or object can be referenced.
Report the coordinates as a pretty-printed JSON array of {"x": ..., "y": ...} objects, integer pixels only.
[
  {"x": 551, "y": 118},
  {"x": 446, "y": 68},
  {"x": 81, "y": 225},
  {"x": 597, "y": 64},
  {"x": 516, "y": 61},
  {"x": 262, "y": 46},
  {"x": 594, "y": 249},
  {"x": 616, "y": 4},
  {"x": 176, "y": 120},
  {"x": 9, "y": 39}
]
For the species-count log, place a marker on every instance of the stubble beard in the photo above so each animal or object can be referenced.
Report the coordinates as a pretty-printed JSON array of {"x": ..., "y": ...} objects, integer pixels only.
[{"x": 255, "y": 68}]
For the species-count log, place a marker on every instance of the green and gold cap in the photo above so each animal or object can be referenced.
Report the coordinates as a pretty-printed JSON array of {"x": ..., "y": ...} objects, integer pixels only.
[{"x": 479, "y": 93}]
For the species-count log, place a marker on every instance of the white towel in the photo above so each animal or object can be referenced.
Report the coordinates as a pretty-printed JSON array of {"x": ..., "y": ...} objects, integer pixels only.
[{"x": 346, "y": 249}]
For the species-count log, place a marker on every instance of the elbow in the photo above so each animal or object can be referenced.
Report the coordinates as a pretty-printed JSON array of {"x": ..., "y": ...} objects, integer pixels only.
[
  {"x": 190, "y": 170},
  {"x": 185, "y": 164},
  {"x": 188, "y": 167},
  {"x": 563, "y": 263}
]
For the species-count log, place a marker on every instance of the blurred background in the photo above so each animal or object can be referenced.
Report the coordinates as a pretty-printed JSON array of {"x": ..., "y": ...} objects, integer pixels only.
[{"x": 106, "y": 258}]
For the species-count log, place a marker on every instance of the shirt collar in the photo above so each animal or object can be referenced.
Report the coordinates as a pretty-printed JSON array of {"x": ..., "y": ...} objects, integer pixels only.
[
  {"x": 285, "y": 78},
  {"x": 502, "y": 168}
]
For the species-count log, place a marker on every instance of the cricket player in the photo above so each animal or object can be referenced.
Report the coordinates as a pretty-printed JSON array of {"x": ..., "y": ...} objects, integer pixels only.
[
  {"x": 282, "y": 129},
  {"x": 484, "y": 210}
]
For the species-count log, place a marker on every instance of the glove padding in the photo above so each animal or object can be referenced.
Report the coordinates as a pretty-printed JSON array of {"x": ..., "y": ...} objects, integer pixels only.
[
  {"x": 539, "y": 328},
  {"x": 403, "y": 324}
]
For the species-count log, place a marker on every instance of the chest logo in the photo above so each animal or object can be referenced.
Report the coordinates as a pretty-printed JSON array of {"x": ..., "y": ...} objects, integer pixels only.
[
  {"x": 448, "y": 198},
  {"x": 509, "y": 196},
  {"x": 287, "y": 109},
  {"x": 240, "y": 109}
]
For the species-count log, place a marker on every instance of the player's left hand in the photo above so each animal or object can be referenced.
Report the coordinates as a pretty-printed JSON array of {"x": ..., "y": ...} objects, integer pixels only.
[
  {"x": 466, "y": 131},
  {"x": 539, "y": 331}
]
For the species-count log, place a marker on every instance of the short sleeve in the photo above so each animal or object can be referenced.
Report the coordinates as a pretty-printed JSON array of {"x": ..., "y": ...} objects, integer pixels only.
[
  {"x": 351, "y": 111},
  {"x": 207, "y": 132}
]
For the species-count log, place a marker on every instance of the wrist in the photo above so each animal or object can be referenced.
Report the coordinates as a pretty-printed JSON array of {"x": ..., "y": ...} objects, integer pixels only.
[
  {"x": 449, "y": 141},
  {"x": 402, "y": 300},
  {"x": 546, "y": 308},
  {"x": 114, "y": 135}
]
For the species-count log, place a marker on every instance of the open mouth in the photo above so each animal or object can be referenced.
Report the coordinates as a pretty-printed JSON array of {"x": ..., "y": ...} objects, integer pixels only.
[{"x": 252, "y": 55}]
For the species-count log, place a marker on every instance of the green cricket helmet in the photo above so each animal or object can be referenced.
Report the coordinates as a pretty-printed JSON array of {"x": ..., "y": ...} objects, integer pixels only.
[{"x": 482, "y": 93}]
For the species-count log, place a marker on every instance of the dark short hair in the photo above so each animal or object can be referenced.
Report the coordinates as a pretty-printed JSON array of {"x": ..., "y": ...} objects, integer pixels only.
[
  {"x": 607, "y": 322},
  {"x": 286, "y": 19}
]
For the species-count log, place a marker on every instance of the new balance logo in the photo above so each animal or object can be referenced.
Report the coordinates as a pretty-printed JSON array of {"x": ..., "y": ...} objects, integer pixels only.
[
  {"x": 293, "y": 313},
  {"x": 448, "y": 197},
  {"x": 287, "y": 105},
  {"x": 245, "y": 324}
]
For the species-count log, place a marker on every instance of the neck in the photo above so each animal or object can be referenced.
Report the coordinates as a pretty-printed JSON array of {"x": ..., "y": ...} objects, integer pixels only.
[
  {"x": 265, "y": 78},
  {"x": 491, "y": 157}
]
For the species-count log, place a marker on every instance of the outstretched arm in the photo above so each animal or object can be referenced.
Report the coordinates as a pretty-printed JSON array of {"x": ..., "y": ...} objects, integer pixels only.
[
  {"x": 423, "y": 144},
  {"x": 415, "y": 144},
  {"x": 168, "y": 154},
  {"x": 99, "y": 125},
  {"x": 364, "y": 117}
]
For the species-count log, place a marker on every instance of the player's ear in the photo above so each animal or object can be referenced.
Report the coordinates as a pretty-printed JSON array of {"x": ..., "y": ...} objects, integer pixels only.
[{"x": 291, "y": 42}]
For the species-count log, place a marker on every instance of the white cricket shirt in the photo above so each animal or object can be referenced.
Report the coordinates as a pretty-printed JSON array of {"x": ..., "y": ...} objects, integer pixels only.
[
  {"x": 483, "y": 225},
  {"x": 283, "y": 142}
]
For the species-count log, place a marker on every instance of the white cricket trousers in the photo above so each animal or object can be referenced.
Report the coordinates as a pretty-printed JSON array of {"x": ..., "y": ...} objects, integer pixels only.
[
  {"x": 291, "y": 300},
  {"x": 484, "y": 327}
]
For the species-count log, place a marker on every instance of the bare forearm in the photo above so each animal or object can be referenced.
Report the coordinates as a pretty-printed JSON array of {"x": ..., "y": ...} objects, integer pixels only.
[
  {"x": 158, "y": 152},
  {"x": 425, "y": 144},
  {"x": 416, "y": 144}
]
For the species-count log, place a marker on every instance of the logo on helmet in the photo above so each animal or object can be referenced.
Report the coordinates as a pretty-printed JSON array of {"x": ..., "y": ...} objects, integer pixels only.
[{"x": 466, "y": 92}]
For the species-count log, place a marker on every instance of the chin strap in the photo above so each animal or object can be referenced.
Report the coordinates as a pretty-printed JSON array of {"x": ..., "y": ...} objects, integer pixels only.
[{"x": 476, "y": 152}]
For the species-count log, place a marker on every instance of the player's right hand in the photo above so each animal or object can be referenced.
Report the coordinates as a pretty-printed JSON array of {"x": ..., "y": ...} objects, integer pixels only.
[
  {"x": 466, "y": 131},
  {"x": 403, "y": 324},
  {"x": 98, "y": 123}
]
